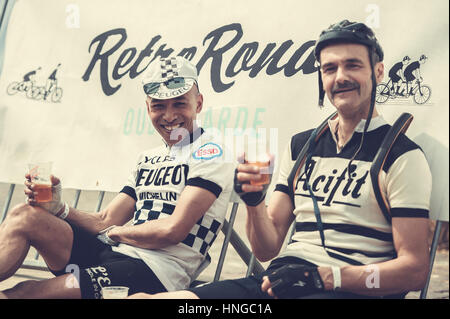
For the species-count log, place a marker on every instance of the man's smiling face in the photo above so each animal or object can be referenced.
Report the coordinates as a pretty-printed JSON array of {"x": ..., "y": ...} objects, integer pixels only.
[
  {"x": 174, "y": 118},
  {"x": 346, "y": 76}
]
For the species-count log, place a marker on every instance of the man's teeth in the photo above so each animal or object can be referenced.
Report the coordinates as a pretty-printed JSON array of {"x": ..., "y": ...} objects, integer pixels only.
[{"x": 171, "y": 127}]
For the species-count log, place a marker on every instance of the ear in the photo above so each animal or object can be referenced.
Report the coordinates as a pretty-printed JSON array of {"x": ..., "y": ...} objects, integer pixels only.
[
  {"x": 147, "y": 101},
  {"x": 199, "y": 103},
  {"x": 379, "y": 71}
]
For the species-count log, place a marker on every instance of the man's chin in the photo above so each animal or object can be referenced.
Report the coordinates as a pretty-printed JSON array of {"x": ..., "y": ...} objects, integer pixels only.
[
  {"x": 339, "y": 102},
  {"x": 178, "y": 134},
  {"x": 344, "y": 106},
  {"x": 174, "y": 136}
]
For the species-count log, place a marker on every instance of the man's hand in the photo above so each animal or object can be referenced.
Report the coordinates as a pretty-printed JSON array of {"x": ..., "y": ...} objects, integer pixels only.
[
  {"x": 104, "y": 237},
  {"x": 305, "y": 279},
  {"x": 55, "y": 205},
  {"x": 245, "y": 172}
]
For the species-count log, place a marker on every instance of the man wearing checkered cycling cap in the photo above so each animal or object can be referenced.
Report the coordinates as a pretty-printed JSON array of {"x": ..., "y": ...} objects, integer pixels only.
[
  {"x": 173, "y": 97},
  {"x": 169, "y": 78},
  {"x": 155, "y": 234}
]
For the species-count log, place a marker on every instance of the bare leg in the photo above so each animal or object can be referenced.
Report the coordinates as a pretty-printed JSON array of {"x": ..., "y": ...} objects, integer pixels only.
[
  {"x": 182, "y": 294},
  {"x": 59, "y": 287},
  {"x": 27, "y": 225}
]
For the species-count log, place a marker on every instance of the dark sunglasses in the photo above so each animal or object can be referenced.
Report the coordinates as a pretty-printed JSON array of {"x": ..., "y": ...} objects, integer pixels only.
[{"x": 174, "y": 83}]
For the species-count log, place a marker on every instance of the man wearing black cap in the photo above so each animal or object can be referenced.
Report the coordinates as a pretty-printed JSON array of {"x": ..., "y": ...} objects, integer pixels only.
[
  {"x": 344, "y": 244},
  {"x": 176, "y": 198}
]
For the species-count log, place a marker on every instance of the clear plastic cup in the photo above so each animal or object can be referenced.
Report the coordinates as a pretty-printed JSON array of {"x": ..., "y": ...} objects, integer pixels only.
[
  {"x": 263, "y": 171},
  {"x": 256, "y": 154},
  {"x": 40, "y": 176},
  {"x": 114, "y": 292}
]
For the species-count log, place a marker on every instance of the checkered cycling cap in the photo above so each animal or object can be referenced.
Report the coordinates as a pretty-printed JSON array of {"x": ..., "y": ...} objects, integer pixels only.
[{"x": 177, "y": 75}]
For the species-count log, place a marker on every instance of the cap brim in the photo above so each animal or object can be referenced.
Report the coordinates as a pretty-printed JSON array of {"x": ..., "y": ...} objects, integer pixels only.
[{"x": 164, "y": 93}]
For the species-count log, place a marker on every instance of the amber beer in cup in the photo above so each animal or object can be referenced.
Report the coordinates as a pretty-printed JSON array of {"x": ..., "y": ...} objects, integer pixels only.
[
  {"x": 40, "y": 177},
  {"x": 114, "y": 292},
  {"x": 263, "y": 162}
]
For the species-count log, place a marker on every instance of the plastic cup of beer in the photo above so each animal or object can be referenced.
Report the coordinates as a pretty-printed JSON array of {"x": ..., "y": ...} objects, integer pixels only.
[
  {"x": 263, "y": 162},
  {"x": 40, "y": 177},
  {"x": 114, "y": 292}
]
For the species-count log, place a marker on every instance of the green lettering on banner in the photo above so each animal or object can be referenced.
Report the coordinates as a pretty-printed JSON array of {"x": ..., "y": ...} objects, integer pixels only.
[
  {"x": 239, "y": 129},
  {"x": 140, "y": 122},
  {"x": 256, "y": 121},
  {"x": 225, "y": 114},
  {"x": 127, "y": 125},
  {"x": 136, "y": 121},
  {"x": 207, "y": 119}
]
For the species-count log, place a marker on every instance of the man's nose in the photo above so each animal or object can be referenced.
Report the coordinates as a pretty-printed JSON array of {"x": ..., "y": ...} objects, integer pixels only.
[
  {"x": 341, "y": 75},
  {"x": 170, "y": 115}
]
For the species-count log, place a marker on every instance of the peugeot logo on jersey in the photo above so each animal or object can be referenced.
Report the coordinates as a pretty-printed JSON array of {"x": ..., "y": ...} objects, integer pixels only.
[{"x": 208, "y": 151}]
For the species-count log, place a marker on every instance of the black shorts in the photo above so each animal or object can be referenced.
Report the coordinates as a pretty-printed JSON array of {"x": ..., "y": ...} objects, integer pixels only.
[
  {"x": 96, "y": 265},
  {"x": 244, "y": 288},
  {"x": 250, "y": 287}
]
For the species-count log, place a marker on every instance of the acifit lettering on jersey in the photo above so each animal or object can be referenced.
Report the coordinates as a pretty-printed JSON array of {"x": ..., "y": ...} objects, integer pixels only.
[
  {"x": 162, "y": 175},
  {"x": 333, "y": 183}
]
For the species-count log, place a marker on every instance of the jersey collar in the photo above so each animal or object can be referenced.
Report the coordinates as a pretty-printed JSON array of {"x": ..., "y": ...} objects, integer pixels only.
[
  {"x": 375, "y": 123},
  {"x": 188, "y": 139}
]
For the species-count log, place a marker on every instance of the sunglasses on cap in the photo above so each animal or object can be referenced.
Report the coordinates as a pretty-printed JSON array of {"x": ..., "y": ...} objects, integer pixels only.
[{"x": 174, "y": 83}]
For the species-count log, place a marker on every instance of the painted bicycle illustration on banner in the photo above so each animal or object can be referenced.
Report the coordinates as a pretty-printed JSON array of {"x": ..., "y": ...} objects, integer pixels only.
[
  {"x": 50, "y": 91},
  {"x": 405, "y": 81},
  {"x": 420, "y": 93}
]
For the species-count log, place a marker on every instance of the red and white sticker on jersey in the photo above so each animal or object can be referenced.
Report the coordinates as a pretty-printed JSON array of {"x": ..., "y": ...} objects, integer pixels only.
[{"x": 208, "y": 151}]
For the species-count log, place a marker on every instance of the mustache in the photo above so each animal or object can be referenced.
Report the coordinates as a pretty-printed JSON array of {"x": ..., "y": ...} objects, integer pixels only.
[{"x": 346, "y": 85}]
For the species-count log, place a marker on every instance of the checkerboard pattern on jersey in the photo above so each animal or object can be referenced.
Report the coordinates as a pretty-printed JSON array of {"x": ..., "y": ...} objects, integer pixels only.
[
  {"x": 201, "y": 236},
  {"x": 152, "y": 210},
  {"x": 169, "y": 69}
]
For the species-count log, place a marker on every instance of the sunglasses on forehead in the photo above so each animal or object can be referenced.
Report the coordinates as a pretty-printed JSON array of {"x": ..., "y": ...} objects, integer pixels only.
[{"x": 174, "y": 83}]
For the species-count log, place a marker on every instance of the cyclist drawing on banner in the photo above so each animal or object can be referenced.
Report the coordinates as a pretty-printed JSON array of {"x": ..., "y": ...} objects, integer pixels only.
[
  {"x": 25, "y": 85},
  {"x": 30, "y": 75},
  {"x": 412, "y": 71},
  {"x": 396, "y": 74},
  {"x": 51, "y": 81},
  {"x": 34, "y": 92},
  {"x": 405, "y": 81}
]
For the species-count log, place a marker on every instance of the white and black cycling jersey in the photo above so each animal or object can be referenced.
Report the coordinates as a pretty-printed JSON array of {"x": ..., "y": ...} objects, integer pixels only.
[
  {"x": 156, "y": 183},
  {"x": 355, "y": 229}
]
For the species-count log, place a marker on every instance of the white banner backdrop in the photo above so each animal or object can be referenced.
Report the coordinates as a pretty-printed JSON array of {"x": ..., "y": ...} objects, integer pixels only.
[{"x": 84, "y": 107}]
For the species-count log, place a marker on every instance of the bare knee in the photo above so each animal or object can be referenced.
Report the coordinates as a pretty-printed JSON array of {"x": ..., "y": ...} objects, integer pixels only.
[
  {"x": 23, "y": 217},
  {"x": 54, "y": 288},
  {"x": 140, "y": 295},
  {"x": 17, "y": 218},
  {"x": 180, "y": 294},
  {"x": 21, "y": 290},
  {"x": 20, "y": 211}
]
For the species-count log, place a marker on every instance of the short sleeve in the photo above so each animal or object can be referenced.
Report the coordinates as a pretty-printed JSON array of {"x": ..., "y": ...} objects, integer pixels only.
[
  {"x": 130, "y": 185},
  {"x": 286, "y": 165},
  {"x": 211, "y": 169},
  {"x": 408, "y": 185}
]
